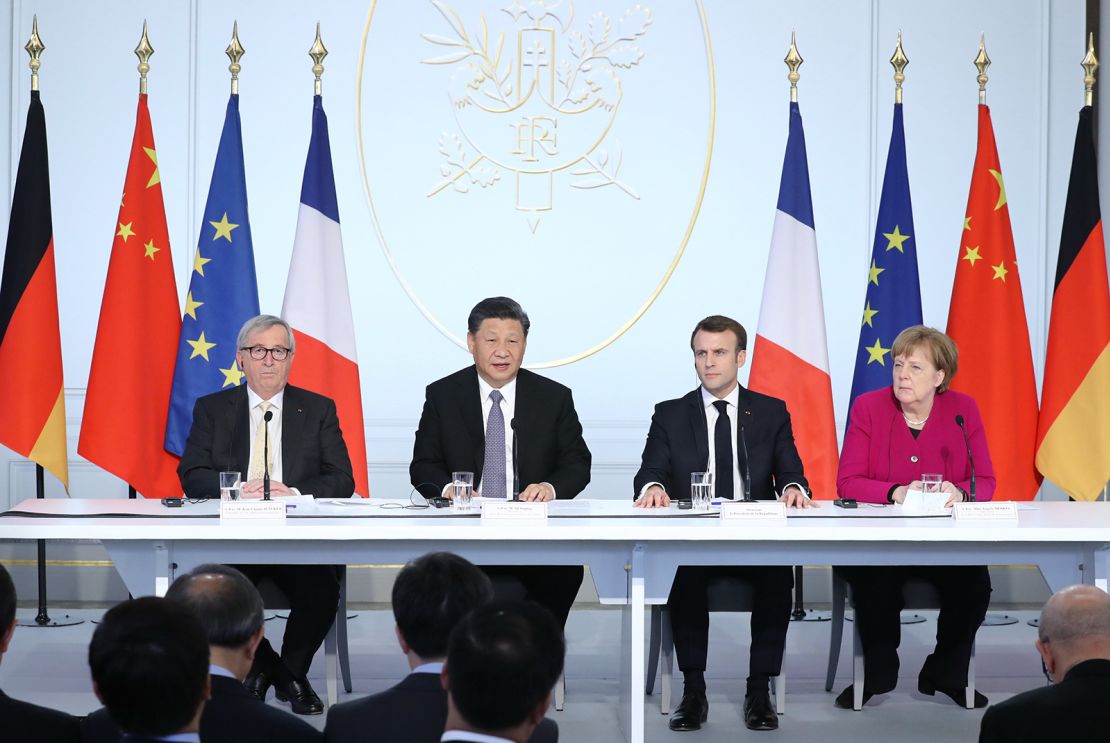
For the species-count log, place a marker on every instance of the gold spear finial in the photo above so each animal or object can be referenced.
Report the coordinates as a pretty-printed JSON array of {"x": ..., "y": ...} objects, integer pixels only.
[
  {"x": 1090, "y": 64},
  {"x": 35, "y": 48},
  {"x": 144, "y": 51},
  {"x": 982, "y": 62},
  {"x": 235, "y": 52},
  {"x": 793, "y": 61},
  {"x": 318, "y": 52},
  {"x": 899, "y": 61}
]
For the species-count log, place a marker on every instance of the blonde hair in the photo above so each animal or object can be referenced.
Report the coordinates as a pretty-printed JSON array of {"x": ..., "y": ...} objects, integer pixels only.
[{"x": 939, "y": 347}]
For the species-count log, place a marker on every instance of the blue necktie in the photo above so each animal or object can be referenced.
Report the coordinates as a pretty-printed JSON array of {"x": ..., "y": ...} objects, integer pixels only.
[{"x": 493, "y": 470}]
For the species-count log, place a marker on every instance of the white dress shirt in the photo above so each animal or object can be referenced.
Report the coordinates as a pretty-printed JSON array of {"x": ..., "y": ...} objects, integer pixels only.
[
  {"x": 256, "y": 413},
  {"x": 475, "y": 737},
  {"x": 434, "y": 666}
]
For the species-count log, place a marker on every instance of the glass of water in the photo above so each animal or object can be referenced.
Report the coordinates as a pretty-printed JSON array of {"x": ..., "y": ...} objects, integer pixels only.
[
  {"x": 931, "y": 483},
  {"x": 701, "y": 490},
  {"x": 230, "y": 482},
  {"x": 462, "y": 489}
]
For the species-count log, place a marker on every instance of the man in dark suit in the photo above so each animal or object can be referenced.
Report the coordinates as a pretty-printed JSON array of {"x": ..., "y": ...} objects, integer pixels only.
[
  {"x": 287, "y": 439},
  {"x": 469, "y": 423},
  {"x": 502, "y": 661},
  {"x": 744, "y": 439},
  {"x": 430, "y": 596},
  {"x": 23, "y": 722},
  {"x": 230, "y": 610},
  {"x": 149, "y": 665},
  {"x": 1074, "y": 643}
]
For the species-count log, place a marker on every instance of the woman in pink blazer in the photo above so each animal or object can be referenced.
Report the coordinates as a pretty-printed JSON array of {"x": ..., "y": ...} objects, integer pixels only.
[{"x": 896, "y": 435}]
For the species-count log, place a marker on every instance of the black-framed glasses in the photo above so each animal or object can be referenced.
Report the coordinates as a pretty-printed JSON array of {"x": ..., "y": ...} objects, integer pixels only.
[{"x": 277, "y": 353}]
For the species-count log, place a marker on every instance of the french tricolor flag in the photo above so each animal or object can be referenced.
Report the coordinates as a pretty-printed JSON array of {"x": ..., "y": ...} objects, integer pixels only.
[
  {"x": 791, "y": 358},
  {"x": 318, "y": 301}
]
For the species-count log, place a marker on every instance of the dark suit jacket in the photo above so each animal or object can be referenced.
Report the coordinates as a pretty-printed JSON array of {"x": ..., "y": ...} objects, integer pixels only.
[
  {"x": 23, "y": 722},
  {"x": 451, "y": 437},
  {"x": 678, "y": 444},
  {"x": 413, "y": 711},
  {"x": 232, "y": 715},
  {"x": 1075, "y": 710},
  {"x": 313, "y": 455}
]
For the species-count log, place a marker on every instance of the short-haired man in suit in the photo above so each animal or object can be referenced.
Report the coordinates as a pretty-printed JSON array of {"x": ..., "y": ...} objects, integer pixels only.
[
  {"x": 23, "y": 722},
  {"x": 1074, "y": 642},
  {"x": 469, "y": 422},
  {"x": 290, "y": 438},
  {"x": 149, "y": 664},
  {"x": 230, "y": 609},
  {"x": 430, "y": 596},
  {"x": 502, "y": 661},
  {"x": 744, "y": 439}
]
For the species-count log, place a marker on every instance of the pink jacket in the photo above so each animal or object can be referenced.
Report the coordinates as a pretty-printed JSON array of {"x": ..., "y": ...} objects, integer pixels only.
[{"x": 880, "y": 452}]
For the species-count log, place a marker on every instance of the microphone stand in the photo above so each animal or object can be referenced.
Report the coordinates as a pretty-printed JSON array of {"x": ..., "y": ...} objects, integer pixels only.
[
  {"x": 747, "y": 467},
  {"x": 266, "y": 454},
  {"x": 516, "y": 470}
]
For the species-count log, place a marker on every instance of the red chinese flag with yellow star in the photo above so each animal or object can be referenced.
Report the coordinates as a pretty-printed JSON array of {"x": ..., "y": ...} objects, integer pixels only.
[
  {"x": 1073, "y": 443},
  {"x": 127, "y": 402},
  {"x": 987, "y": 320}
]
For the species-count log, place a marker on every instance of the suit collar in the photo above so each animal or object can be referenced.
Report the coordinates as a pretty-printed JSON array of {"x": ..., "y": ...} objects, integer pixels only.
[
  {"x": 698, "y": 430},
  {"x": 1094, "y": 668}
]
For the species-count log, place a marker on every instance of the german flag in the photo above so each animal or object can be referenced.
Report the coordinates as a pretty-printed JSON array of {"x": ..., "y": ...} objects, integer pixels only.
[
  {"x": 34, "y": 418},
  {"x": 1073, "y": 435}
]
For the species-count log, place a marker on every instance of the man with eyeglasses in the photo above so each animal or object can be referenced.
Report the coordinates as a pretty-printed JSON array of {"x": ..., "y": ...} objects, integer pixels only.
[{"x": 305, "y": 455}]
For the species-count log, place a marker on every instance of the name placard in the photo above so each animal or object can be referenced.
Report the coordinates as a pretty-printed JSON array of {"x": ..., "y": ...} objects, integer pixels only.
[
  {"x": 989, "y": 511},
  {"x": 759, "y": 510},
  {"x": 511, "y": 509},
  {"x": 252, "y": 509}
]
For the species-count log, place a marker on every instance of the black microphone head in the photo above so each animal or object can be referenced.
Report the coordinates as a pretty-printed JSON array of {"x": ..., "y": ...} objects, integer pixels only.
[
  {"x": 512, "y": 423},
  {"x": 959, "y": 420},
  {"x": 269, "y": 416}
]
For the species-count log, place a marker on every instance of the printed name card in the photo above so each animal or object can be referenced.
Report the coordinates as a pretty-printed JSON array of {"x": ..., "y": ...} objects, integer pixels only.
[
  {"x": 989, "y": 511},
  {"x": 236, "y": 510},
  {"x": 760, "y": 510},
  {"x": 919, "y": 503},
  {"x": 511, "y": 509}
]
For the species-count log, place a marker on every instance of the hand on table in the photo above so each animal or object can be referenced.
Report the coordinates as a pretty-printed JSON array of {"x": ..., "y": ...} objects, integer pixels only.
[
  {"x": 794, "y": 497},
  {"x": 253, "y": 489},
  {"x": 653, "y": 497}
]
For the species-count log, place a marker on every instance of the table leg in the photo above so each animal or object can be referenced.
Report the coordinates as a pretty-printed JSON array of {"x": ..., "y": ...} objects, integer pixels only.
[
  {"x": 162, "y": 577},
  {"x": 632, "y": 650}
]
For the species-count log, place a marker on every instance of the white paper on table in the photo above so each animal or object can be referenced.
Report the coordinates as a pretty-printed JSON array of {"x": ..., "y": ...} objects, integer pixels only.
[{"x": 921, "y": 502}]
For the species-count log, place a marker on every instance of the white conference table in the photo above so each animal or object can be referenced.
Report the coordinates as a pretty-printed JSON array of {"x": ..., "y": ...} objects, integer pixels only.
[{"x": 632, "y": 554}]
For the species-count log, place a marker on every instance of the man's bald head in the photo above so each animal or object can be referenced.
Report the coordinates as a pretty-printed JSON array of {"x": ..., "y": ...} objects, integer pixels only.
[{"x": 1075, "y": 613}]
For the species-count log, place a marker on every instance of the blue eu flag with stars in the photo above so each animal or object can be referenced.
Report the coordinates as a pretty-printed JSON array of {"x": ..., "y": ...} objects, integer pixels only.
[
  {"x": 223, "y": 291},
  {"x": 893, "y": 299}
]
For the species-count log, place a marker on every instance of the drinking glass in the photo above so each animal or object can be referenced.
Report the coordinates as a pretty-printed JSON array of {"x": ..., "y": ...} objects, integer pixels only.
[
  {"x": 230, "y": 482},
  {"x": 930, "y": 483},
  {"x": 701, "y": 490},
  {"x": 462, "y": 488}
]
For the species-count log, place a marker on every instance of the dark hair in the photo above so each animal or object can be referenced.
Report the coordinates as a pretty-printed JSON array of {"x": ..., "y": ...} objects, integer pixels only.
[
  {"x": 7, "y": 600},
  {"x": 721, "y": 324},
  {"x": 149, "y": 662},
  {"x": 431, "y": 594},
  {"x": 502, "y": 660},
  {"x": 497, "y": 308},
  {"x": 228, "y": 605}
]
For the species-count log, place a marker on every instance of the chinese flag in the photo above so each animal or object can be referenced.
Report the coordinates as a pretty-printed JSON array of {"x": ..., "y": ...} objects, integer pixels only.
[
  {"x": 33, "y": 422},
  {"x": 987, "y": 320},
  {"x": 1073, "y": 440},
  {"x": 124, "y": 424}
]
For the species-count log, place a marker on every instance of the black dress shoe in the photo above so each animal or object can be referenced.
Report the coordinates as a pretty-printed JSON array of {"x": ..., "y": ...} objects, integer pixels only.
[
  {"x": 691, "y": 712},
  {"x": 258, "y": 683},
  {"x": 845, "y": 698},
  {"x": 302, "y": 699},
  {"x": 758, "y": 712},
  {"x": 925, "y": 685}
]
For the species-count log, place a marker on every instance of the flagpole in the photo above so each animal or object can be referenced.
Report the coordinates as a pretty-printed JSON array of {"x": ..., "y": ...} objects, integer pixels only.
[
  {"x": 318, "y": 52},
  {"x": 35, "y": 48}
]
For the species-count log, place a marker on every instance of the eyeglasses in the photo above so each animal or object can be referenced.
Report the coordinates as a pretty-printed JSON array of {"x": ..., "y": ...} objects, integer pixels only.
[{"x": 278, "y": 353}]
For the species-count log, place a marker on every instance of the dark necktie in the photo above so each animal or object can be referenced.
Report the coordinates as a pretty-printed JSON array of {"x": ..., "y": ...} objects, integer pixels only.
[
  {"x": 493, "y": 471},
  {"x": 722, "y": 452}
]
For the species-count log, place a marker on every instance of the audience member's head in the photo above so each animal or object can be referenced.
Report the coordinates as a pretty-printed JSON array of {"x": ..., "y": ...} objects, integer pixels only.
[
  {"x": 502, "y": 661},
  {"x": 1075, "y": 626},
  {"x": 430, "y": 596},
  {"x": 229, "y": 608},
  {"x": 149, "y": 663},
  {"x": 7, "y": 609}
]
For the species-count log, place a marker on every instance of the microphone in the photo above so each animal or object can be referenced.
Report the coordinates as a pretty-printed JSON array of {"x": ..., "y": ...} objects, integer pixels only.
[
  {"x": 516, "y": 470},
  {"x": 747, "y": 467},
  {"x": 266, "y": 454},
  {"x": 970, "y": 460}
]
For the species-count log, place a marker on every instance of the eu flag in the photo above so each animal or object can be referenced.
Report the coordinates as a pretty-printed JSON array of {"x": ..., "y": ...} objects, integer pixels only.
[
  {"x": 893, "y": 299},
  {"x": 223, "y": 291}
]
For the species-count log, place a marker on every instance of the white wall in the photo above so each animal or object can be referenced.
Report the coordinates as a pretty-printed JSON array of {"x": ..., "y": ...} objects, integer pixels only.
[{"x": 593, "y": 259}]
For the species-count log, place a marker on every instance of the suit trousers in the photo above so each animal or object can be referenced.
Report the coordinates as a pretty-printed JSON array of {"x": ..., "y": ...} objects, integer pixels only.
[
  {"x": 554, "y": 587},
  {"x": 689, "y": 608},
  {"x": 313, "y": 594},
  {"x": 877, "y": 597}
]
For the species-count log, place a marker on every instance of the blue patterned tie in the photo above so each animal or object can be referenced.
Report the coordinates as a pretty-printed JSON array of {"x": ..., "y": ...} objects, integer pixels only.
[{"x": 493, "y": 471}]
